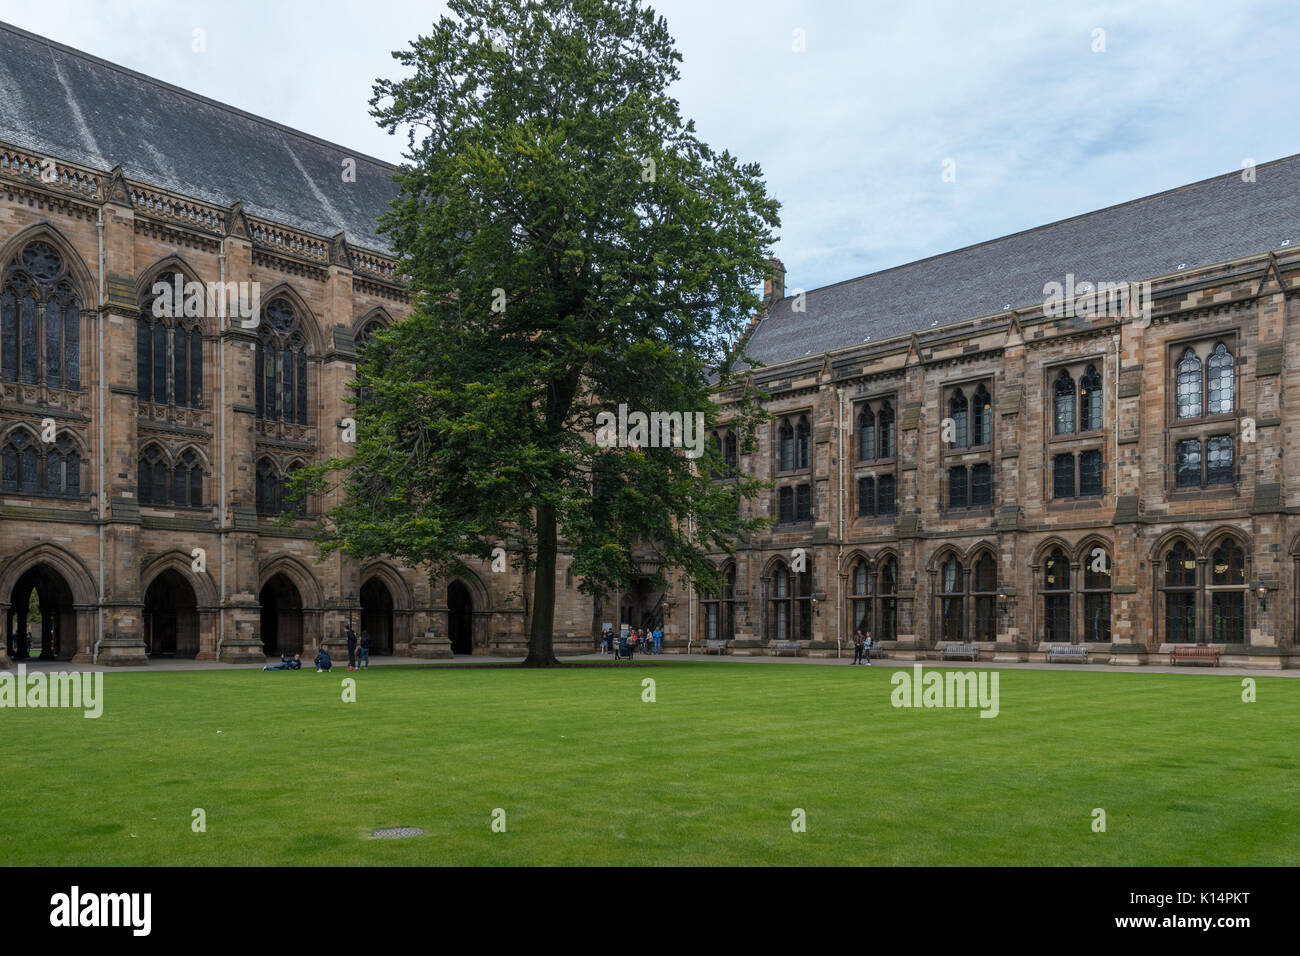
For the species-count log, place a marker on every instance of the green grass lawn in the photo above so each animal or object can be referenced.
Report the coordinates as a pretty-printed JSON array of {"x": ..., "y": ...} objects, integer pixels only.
[{"x": 587, "y": 773}]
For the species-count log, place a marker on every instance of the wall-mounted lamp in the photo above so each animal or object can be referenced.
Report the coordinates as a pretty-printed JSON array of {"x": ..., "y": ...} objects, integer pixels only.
[
  {"x": 1004, "y": 604},
  {"x": 351, "y": 600},
  {"x": 1262, "y": 593}
]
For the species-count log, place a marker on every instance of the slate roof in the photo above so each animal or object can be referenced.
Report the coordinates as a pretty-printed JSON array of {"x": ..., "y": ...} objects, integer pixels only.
[
  {"x": 1209, "y": 222},
  {"x": 64, "y": 103}
]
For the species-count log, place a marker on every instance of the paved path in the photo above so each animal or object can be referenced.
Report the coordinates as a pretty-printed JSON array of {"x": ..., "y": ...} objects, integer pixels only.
[{"x": 173, "y": 664}]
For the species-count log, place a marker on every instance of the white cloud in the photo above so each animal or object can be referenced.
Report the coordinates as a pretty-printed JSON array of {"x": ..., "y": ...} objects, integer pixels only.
[{"x": 851, "y": 133}]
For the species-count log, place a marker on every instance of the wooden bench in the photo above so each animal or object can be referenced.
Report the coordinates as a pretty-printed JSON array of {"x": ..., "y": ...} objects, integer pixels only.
[
  {"x": 777, "y": 648},
  {"x": 1072, "y": 653},
  {"x": 1193, "y": 652},
  {"x": 970, "y": 652},
  {"x": 711, "y": 647}
]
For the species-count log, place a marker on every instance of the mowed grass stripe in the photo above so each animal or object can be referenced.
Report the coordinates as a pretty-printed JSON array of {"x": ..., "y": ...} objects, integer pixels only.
[{"x": 708, "y": 774}]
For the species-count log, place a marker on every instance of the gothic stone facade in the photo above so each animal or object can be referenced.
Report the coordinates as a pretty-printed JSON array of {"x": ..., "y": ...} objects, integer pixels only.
[
  {"x": 115, "y": 475},
  {"x": 1019, "y": 481}
]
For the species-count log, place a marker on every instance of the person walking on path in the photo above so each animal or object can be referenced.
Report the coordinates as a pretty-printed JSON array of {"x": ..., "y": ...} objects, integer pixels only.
[
  {"x": 859, "y": 645},
  {"x": 659, "y": 639},
  {"x": 867, "y": 644},
  {"x": 352, "y": 648},
  {"x": 363, "y": 649}
]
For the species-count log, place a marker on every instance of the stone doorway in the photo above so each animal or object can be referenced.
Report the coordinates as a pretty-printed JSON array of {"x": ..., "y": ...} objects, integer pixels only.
[
  {"x": 377, "y": 616},
  {"x": 171, "y": 617},
  {"x": 282, "y": 620},
  {"x": 42, "y": 621},
  {"x": 460, "y": 618}
]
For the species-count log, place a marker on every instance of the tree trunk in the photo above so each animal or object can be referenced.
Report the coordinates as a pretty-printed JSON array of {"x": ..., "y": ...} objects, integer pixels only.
[{"x": 541, "y": 652}]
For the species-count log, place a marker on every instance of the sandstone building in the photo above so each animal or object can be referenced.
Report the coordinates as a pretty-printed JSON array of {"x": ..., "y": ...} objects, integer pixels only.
[
  {"x": 962, "y": 462},
  {"x": 129, "y": 441},
  {"x": 953, "y": 463}
]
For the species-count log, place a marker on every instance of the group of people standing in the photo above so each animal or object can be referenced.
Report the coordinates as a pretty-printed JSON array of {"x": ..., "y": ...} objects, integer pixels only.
[
  {"x": 862, "y": 644},
  {"x": 645, "y": 640}
]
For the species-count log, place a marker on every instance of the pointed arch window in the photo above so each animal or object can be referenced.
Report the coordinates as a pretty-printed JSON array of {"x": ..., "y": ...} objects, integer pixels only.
[
  {"x": 785, "y": 443},
  {"x": 1056, "y": 597},
  {"x": 984, "y": 590},
  {"x": 63, "y": 469},
  {"x": 888, "y": 432},
  {"x": 981, "y": 418},
  {"x": 1096, "y": 595},
  {"x": 169, "y": 347},
  {"x": 1228, "y": 593},
  {"x": 958, "y": 411},
  {"x": 20, "y": 464},
  {"x": 268, "y": 487},
  {"x": 1063, "y": 404},
  {"x": 866, "y": 434},
  {"x": 782, "y": 588},
  {"x": 1189, "y": 385},
  {"x": 1221, "y": 381},
  {"x": 861, "y": 606},
  {"x": 1179, "y": 592},
  {"x": 1090, "y": 400},
  {"x": 281, "y": 366},
  {"x": 886, "y": 598},
  {"x": 40, "y": 320},
  {"x": 728, "y": 602},
  {"x": 952, "y": 598},
  {"x": 802, "y": 444}
]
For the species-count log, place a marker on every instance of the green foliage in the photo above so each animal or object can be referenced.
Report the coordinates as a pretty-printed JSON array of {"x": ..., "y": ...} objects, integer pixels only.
[{"x": 573, "y": 245}]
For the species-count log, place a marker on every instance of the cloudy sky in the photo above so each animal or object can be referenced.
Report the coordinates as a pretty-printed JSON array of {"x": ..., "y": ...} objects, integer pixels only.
[{"x": 1045, "y": 109}]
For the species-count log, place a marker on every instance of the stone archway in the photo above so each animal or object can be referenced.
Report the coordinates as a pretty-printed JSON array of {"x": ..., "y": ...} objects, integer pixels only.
[
  {"x": 377, "y": 615},
  {"x": 171, "y": 616},
  {"x": 42, "y": 620},
  {"x": 281, "y": 616},
  {"x": 460, "y": 618}
]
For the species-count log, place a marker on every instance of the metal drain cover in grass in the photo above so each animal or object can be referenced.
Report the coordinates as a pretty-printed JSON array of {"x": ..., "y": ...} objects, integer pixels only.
[{"x": 397, "y": 833}]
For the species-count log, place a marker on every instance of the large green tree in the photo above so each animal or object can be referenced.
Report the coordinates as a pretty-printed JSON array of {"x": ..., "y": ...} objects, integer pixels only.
[{"x": 572, "y": 246}]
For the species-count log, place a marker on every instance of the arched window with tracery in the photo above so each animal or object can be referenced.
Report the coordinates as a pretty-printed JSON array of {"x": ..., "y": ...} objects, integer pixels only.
[
  {"x": 1227, "y": 586},
  {"x": 1090, "y": 400},
  {"x": 886, "y": 596},
  {"x": 861, "y": 606},
  {"x": 1063, "y": 404},
  {"x": 785, "y": 446},
  {"x": 20, "y": 464},
  {"x": 802, "y": 443},
  {"x": 1179, "y": 593},
  {"x": 866, "y": 434},
  {"x": 958, "y": 411},
  {"x": 281, "y": 364},
  {"x": 268, "y": 487},
  {"x": 1096, "y": 595},
  {"x": 984, "y": 594},
  {"x": 1221, "y": 381},
  {"x": 981, "y": 418},
  {"x": 1189, "y": 385},
  {"x": 952, "y": 596},
  {"x": 187, "y": 481},
  {"x": 790, "y": 608},
  {"x": 40, "y": 320},
  {"x": 168, "y": 348},
  {"x": 1056, "y": 597}
]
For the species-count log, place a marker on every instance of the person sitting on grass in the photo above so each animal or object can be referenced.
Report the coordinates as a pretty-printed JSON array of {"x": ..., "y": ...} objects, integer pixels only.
[
  {"x": 323, "y": 662},
  {"x": 287, "y": 663}
]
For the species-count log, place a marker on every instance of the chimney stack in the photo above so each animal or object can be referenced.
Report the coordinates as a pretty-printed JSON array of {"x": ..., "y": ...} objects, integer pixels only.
[{"x": 774, "y": 284}]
